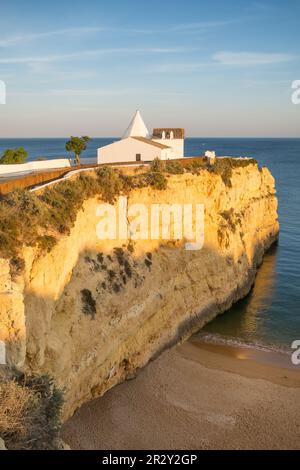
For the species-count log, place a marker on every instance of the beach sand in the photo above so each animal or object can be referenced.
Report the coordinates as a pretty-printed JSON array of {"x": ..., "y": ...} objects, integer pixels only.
[{"x": 197, "y": 396}]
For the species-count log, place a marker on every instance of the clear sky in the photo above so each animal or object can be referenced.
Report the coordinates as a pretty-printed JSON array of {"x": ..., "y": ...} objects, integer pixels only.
[{"x": 214, "y": 67}]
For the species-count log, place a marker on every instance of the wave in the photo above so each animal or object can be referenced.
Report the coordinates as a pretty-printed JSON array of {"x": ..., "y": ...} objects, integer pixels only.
[{"x": 222, "y": 340}]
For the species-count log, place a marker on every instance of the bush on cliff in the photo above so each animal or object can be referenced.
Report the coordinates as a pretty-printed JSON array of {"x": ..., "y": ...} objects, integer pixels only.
[
  {"x": 224, "y": 166},
  {"x": 21, "y": 214},
  {"x": 157, "y": 166},
  {"x": 88, "y": 303},
  {"x": 195, "y": 166},
  {"x": 157, "y": 181},
  {"x": 173, "y": 167},
  {"x": 63, "y": 200},
  {"x": 110, "y": 183},
  {"x": 30, "y": 412}
]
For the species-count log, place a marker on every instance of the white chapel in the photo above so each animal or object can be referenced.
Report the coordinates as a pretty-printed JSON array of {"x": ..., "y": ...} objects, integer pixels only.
[{"x": 138, "y": 145}]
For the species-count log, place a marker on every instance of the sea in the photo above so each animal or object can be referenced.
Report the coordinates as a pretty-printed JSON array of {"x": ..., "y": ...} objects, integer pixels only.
[{"x": 269, "y": 317}]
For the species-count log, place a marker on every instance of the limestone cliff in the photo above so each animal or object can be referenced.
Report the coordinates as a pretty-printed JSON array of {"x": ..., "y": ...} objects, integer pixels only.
[{"x": 92, "y": 312}]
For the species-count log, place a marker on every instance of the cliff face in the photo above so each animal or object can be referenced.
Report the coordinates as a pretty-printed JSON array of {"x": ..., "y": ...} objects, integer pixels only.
[{"x": 92, "y": 312}]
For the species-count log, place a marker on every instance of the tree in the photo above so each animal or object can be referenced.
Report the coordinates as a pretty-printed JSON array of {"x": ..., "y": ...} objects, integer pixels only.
[
  {"x": 77, "y": 145},
  {"x": 17, "y": 155}
]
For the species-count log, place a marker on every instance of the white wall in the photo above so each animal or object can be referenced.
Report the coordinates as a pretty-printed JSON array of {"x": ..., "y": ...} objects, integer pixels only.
[
  {"x": 177, "y": 146},
  {"x": 88, "y": 160},
  {"x": 125, "y": 150},
  {"x": 34, "y": 166}
]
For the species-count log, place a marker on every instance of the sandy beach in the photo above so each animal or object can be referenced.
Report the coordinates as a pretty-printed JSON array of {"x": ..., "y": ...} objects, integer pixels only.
[{"x": 196, "y": 396}]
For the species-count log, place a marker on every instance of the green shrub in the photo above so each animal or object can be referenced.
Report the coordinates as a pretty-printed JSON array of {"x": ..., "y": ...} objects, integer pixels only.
[
  {"x": 157, "y": 181},
  {"x": 13, "y": 156},
  {"x": 157, "y": 166},
  {"x": 110, "y": 183},
  {"x": 21, "y": 215},
  {"x": 174, "y": 167},
  {"x": 64, "y": 200}
]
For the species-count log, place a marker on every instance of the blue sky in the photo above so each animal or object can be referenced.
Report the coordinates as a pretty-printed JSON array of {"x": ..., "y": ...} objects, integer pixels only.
[{"x": 217, "y": 68}]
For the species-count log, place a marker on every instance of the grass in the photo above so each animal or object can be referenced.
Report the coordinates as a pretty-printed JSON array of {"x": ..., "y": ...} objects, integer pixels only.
[
  {"x": 39, "y": 220},
  {"x": 30, "y": 412}
]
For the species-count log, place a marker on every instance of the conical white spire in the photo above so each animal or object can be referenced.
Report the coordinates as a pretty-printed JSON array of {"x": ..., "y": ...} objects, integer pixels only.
[{"x": 137, "y": 127}]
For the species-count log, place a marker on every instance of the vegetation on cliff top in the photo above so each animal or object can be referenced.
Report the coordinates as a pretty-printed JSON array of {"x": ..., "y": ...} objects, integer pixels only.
[{"x": 27, "y": 218}]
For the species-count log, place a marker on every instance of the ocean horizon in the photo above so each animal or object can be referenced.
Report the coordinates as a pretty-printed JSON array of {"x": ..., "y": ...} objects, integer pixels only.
[{"x": 54, "y": 147}]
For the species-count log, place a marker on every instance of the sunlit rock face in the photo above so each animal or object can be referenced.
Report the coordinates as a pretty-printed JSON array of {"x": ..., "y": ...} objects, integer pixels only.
[{"x": 92, "y": 312}]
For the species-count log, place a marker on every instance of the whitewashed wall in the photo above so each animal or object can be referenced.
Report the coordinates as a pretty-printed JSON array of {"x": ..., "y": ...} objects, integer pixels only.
[
  {"x": 177, "y": 146},
  {"x": 88, "y": 160},
  {"x": 125, "y": 150},
  {"x": 21, "y": 168}
]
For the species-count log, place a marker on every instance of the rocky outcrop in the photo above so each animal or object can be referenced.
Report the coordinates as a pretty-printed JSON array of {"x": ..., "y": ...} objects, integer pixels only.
[{"x": 91, "y": 313}]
